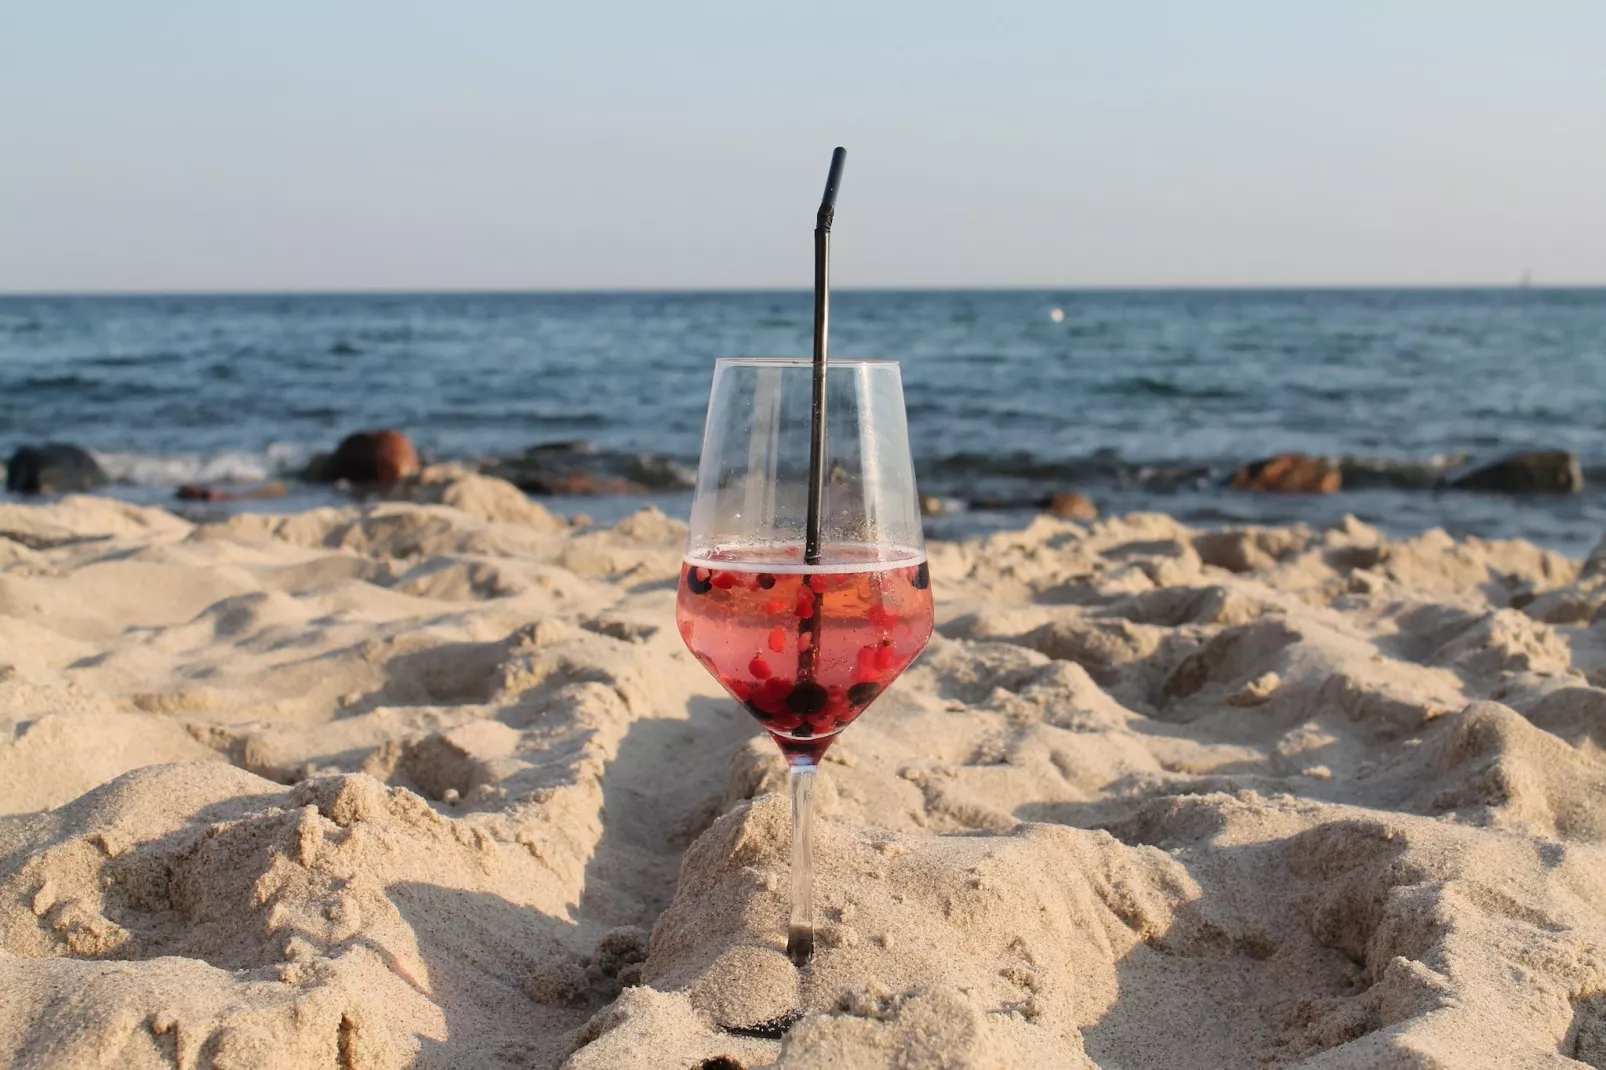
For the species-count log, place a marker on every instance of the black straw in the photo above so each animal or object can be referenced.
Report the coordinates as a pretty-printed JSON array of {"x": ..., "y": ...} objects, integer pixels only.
[{"x": 822, "y": 316}]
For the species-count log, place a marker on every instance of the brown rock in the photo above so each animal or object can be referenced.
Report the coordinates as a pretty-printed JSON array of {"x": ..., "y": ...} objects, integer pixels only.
[
  {"x": 383, "y": 456},
  {"x": 931, "y": 505},
  {"x": 200, "y": 492},
  {"x": 582, "y": 484},
  {"x": 1069, "y": 505},
  {"x": 195, "y": 492},
  {"x": 1289, "y": 473}
]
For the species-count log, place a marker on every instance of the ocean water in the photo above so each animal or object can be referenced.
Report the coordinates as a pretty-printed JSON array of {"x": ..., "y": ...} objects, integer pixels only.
[{"x": 1139, "y": 399}]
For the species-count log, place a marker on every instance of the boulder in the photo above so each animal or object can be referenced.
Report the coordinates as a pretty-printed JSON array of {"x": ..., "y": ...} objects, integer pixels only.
[
  {"x": 1526, "y": 472},
  {"x": 53, "y": 468},
  {"x": 579, "y": 468},
  {"x": 1289, "y": 473},
  {"x": 384, "y": 456},
  {"x": 1069, "y": 505}
]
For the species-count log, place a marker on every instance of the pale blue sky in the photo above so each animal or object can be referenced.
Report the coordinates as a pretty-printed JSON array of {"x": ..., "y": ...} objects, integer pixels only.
[{"x": 366, "y": 145}]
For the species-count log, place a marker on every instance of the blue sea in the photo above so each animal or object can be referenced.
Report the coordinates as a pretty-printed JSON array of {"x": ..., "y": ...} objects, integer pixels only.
[{"x": 1141, "y": 400}]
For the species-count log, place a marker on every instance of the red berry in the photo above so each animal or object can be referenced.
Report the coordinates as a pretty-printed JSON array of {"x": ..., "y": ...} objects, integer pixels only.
[
  {"x": 777, "y": 639},
  {"x": 884, "y": 657},
  {"x": 866, "y": 661},
  {"x": 773, "y": 606},
  {"x": 805, "y": 604},
  {"x": 784, "y": 721},
  {"x": 740, "y": 689},
  {"x": 818, "y": 581},
  {"x": 724, "y": 580},
  {"x": 759, "y": 668},
  {"x": 776, "y": 688}
]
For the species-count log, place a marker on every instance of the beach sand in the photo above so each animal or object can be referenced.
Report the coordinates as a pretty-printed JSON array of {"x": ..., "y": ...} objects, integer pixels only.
[{"x": 434, "y": 783}]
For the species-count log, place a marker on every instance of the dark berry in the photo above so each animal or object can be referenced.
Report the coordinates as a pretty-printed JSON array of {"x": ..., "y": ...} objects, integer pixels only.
[
  {"x": 922, "y": 578},
  {"x": 762, "y": 715},
  {"x": 807, "y": 698},
  {"x": 699, "y": 584},
  {"x": 863, "y": 694},
  {"x": 803, "y": 731},
  {"x": 765, "y": 580}
]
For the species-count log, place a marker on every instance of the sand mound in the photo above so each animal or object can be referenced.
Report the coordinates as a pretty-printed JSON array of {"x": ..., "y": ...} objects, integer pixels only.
[{"x": 432, "y": 783}]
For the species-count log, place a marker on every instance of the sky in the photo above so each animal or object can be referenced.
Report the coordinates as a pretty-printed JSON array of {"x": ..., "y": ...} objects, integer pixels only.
[{"x": 186, "y": 146}]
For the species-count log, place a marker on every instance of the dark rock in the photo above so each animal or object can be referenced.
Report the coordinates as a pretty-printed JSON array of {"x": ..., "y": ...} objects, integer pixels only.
[
  {"x": 384, "y": 456},
  {"x": 578, "y": 468},
  {"x": 1289, "y": 473},
  {"x": 1527, "y": 472},
  {"x": 317, "y": 469},
  {"x": 53, "y": 468},
  {"x": 1361, "y": 473},
  {"x": 196, "y": 492},
  {"x": 1168, "y": 476},
  {"x": 659, "y": 473},
  {"x": 1069, "y": 505}
]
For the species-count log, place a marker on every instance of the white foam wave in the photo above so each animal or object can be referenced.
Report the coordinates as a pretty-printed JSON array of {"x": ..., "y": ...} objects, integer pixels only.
[{"x": 225, "y": 466}]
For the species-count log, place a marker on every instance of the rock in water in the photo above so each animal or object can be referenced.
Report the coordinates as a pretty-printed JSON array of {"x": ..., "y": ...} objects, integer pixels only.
[
  {"x": 54, "y": 468},
  {"x": 201, "y": 492},
  {"x": 1070, "y": 505},
  {"x": 1289, "y": 473},
  {"x": 578, "y": 468},
  {"x": 1527, "y": 472},
  {"x": 384, "y": 456}
]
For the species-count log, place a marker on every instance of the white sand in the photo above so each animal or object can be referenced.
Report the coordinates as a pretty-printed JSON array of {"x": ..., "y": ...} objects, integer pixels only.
[{"x": 411, "y": 785}]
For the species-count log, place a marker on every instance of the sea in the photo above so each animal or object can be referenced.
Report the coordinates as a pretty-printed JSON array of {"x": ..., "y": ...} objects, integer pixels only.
[{"x": 1138, "y": 399}]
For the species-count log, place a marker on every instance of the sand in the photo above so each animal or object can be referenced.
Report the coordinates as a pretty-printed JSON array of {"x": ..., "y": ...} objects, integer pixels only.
[{"x": 432, "y": 783}]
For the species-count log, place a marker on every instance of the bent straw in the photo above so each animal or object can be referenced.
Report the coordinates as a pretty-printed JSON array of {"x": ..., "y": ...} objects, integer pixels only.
[{"x": 822, "y": 316}]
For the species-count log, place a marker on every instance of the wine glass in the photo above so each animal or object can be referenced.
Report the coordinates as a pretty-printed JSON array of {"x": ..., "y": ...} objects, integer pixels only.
[{"x": 804, "y": 641}]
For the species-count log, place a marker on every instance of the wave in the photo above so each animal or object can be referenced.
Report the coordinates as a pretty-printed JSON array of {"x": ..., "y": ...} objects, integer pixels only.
[
  {"x": 1163, "y": 388},
  {"x": 226, "y": 466},
  {"x": 57, "y": 382}
]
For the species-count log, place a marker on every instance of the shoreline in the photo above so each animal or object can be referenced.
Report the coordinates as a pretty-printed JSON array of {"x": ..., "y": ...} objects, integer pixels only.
[{"x": 433, "y": 782}]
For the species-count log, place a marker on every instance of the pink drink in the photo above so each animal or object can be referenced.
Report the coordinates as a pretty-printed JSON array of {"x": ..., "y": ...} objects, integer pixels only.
[{"x": 804, "y": 648}]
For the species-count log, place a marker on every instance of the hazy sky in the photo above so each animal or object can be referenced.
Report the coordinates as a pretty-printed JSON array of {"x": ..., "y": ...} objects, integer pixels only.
[{"x": 546, "y": 144}]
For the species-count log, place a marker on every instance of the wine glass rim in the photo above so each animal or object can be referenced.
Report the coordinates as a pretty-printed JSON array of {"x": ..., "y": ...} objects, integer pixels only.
[{"x": 805, "y": 362}]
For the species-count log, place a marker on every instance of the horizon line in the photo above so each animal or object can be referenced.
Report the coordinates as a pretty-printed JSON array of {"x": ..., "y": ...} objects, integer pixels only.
[{"x": 1097, "y": 288}]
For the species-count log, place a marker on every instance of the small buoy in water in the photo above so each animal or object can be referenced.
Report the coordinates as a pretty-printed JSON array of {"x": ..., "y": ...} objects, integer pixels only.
[{"x": 1057, "y": 315}]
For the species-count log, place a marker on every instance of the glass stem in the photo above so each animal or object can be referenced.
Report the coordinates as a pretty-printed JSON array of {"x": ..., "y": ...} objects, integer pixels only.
[{"x": 800, "y": 933}]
